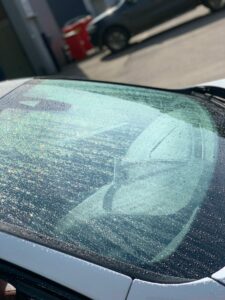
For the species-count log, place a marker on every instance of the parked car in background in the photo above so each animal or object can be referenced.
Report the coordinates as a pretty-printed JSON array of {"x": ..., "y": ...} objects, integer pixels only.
[
  {"x": 111, "y": 192},
  {"x": 118, "y": 24}
]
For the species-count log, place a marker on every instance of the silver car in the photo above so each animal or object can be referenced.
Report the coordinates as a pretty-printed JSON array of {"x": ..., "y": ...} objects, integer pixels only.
[{"x": 117, "y": 25}]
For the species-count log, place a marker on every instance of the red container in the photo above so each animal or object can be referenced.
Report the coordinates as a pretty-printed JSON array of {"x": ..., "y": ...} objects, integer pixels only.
[
  {"x": 75, "y": 43},
  {"x": 83, "y": 24},
  {"x": 77, "y": 37}
]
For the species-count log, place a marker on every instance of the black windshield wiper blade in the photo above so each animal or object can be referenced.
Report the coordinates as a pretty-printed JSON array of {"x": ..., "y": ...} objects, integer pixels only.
[{"x": 211, "y": 93}]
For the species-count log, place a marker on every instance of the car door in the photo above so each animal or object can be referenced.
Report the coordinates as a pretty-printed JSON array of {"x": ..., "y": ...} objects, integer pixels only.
[
  {"x": 169, "y": 9},
  {"x": 19, "y": 283},
  {"x": 140, "y": 14},
  {"x": 66, "y": 271}
]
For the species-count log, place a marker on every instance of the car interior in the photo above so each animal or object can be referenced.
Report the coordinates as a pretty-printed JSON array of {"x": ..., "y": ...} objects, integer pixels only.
[{"x": 9, "y": 292}]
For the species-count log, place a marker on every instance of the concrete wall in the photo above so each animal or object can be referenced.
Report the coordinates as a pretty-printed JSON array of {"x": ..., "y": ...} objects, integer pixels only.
[
  {"x": 13, "y": 61},
  {"x": 67, "y": 9},
  {"x": 29, "y": 31},
  {"x": 98, "y": 6},
  {"x": 50, "y": 29},
  {"x": 111, "y": 2}
]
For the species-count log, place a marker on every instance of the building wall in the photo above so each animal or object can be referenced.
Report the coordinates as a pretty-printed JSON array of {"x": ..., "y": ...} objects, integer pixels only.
[
  {"x": 13, "y": 60},
  {"x": 111, "y": 2},
  {"x": 67, "y": 9},
  {"x": 28, "y": 29},
  {"x": 89, "y": 6},
  {"x": 50, "y": 30},
  {"x": 97, "y": 6}
]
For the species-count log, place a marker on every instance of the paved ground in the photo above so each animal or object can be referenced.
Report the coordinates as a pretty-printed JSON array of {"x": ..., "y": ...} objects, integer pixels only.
[{"x": 188, "y": 50}]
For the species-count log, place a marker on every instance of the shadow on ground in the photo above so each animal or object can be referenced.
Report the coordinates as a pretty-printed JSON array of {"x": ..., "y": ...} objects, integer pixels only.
[
  {"x": 168, "y": 34},
  {"x": 72, "y": 71}
]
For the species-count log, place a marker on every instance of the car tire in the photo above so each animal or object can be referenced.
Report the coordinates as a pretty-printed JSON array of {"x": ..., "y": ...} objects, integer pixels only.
[
  {"x": 214, "y": 5},
  {"x": 116, "y": 39}
]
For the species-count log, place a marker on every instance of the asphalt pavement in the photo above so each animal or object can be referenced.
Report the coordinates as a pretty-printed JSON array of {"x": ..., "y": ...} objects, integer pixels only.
[{"x": 185, "y": 51}]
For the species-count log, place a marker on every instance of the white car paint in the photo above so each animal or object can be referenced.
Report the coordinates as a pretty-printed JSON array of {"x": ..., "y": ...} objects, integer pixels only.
[
  {"x": 94, "y": 281},
  {"x": 217, "y": 83},
  {"x": 81, "y": 276},
  {"x": 9, "y": 85},
  {"x": 220, "y": 276},
  {"x": 204, "y": 289}
]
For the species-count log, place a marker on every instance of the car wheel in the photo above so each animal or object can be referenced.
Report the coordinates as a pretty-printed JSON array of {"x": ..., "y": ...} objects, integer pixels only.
[
  {"x": 215, "y": 5},
  {"x": 116, "y": 39}
]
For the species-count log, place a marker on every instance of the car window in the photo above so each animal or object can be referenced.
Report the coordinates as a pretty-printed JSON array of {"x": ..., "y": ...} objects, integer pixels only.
[{"x": 121, "y": 172}]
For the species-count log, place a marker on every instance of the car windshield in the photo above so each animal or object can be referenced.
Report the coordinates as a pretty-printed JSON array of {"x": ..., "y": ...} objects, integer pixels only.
[{"x": 119, "y": 172}]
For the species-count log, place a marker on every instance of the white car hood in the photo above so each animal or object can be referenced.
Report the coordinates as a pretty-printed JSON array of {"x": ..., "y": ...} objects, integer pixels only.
[{"x": 217, "y": 83}]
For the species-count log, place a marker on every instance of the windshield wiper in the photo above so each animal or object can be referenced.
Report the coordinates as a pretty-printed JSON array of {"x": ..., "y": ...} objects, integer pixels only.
[{"x": 211, "y": 93}]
